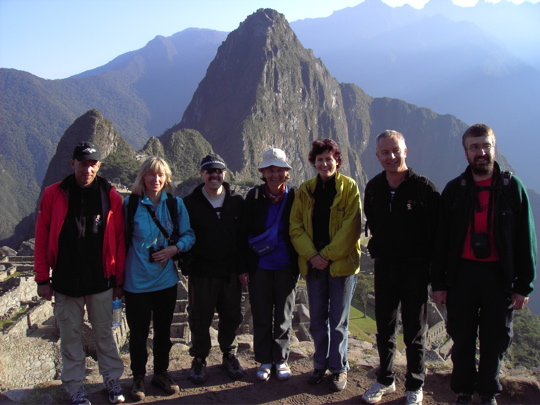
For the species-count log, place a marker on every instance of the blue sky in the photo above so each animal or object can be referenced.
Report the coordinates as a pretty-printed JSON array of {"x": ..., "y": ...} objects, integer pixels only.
[{"x": 54, "y": 39}]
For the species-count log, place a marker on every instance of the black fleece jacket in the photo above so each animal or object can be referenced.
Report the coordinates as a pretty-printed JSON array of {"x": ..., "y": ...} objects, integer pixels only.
[
  {"x": 218, "y": 251},
  {"x": 513, "y": 226},
  {"x": 402, "y": 227}
]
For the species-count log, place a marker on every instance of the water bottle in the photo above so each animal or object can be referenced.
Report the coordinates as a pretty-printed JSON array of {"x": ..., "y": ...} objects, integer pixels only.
[{"x": 117, "y": 312}]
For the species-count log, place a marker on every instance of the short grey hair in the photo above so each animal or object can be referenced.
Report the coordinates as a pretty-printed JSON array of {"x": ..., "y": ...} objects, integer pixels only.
[{"x": 389, "y": 133}]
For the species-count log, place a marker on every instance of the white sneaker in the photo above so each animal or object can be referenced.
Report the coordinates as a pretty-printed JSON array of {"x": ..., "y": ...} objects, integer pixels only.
[
  {"x": 376, "y": 392},
  {"x": 283, "y": 371},
  {"x": 414, "y": 397},
  {"x": 263, "y": 372}
]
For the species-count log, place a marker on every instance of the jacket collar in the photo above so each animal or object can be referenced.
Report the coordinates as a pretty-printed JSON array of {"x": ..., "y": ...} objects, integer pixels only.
[
  {"x": 70, "y": 181},
  {"x": 197, "y": 192},
  {"x": 468, "y": 177}
]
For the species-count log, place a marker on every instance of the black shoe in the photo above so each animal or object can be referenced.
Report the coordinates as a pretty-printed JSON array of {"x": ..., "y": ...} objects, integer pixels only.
[
  {"x": 488, "y": 400},
  {"x": 316, "y": 376},
  {"x": 197, "y": 375},
  {"x": 138, "y": 390},
  {"x": 338, "y": 381},
  {"x": 165, "y": 382},
  {"x": 233, "y": 367},
  {"x": 463, "y": 399}
]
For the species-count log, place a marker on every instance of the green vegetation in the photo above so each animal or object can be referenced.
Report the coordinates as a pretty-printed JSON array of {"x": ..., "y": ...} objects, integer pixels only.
[
  {"x": 361, "y": 326},
  {"x": 364, "y": 287},
  {"x": 8, "y": 322},
  {"x": 525, "y": 349},
  {"x": 121, "y": 164}
]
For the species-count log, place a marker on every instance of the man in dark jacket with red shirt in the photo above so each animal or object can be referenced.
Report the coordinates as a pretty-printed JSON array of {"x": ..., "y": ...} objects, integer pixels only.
[
  {"x": 485, "y": 264},
  {"x": 80, "y": 236}
]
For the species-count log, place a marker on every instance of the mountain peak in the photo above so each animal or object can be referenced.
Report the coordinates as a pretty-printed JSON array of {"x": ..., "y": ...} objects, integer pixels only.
[{"x": 265, "y": 89}]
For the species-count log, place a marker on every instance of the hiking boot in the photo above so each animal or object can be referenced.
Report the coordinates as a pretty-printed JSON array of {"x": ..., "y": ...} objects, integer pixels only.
[
  {"x": 233, "y": 367},
  {"x": 138, "y": 390},
  {"x": 463, "y": 399},
  {"x": 80, "y": 398},
  {"x": 116, "y": 396},
  {"x": 316, "y": 376},
  {"x": 414, "y": 397},
  {"x": 338, "y": 381},
  {"x": 376, "y": 392},
  {"x": 197, "y": 375},
  {"x": 165, "y": 383},
  {"x": 488, "y": 400}
]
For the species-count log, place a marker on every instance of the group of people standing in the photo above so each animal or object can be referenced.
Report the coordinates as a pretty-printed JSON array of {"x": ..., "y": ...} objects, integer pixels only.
[{"x": 475, "y": 244}]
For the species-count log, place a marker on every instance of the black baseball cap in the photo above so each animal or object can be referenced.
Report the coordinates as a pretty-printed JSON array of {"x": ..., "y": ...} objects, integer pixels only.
[
  {"x": 213, "y": 161},
  {"x": 86, "y": 151}
]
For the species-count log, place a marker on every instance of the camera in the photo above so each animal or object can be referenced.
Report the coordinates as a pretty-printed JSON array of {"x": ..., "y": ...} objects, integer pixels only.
[
  {"x": 152, "y": 250},
  {"x": 480, "y": 245}
]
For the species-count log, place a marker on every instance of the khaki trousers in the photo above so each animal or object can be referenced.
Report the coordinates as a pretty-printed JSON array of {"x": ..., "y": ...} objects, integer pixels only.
[{"x": 69, "y": 314}]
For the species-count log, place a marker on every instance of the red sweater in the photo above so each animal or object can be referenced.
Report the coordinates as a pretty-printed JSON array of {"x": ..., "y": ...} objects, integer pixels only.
[{"x": 52, "y": 211}]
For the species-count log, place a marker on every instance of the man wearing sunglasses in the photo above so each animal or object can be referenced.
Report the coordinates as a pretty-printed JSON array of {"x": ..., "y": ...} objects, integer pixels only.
[{"x": 215, "y": 214}]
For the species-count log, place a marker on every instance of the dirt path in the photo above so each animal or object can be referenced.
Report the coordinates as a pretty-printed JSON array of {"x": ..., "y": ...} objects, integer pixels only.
[{"x": 220, "y": 389}]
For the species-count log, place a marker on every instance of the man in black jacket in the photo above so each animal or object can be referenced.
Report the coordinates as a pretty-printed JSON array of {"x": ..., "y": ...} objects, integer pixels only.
[
  {"x": 215, "y": 213},
  {"x": 401, "y": 209},
  {"x": 485, "y": 264}
]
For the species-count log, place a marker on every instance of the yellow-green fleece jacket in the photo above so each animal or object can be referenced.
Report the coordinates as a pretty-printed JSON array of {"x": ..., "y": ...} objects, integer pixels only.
[{"x": 345, "y": 227}]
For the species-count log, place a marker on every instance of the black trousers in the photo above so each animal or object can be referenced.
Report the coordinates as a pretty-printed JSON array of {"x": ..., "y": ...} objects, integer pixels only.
[
  {"x": 141, "y": 308},
  {"x": 401, "y": 283},
  {"x": 478, "y": 309},
  {"x": 207, "y": 296},
  {"x": 272, "y": 296}
]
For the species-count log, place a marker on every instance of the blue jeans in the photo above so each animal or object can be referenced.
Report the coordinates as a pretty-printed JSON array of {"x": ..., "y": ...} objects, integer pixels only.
[{"x": 329, "y": 307}]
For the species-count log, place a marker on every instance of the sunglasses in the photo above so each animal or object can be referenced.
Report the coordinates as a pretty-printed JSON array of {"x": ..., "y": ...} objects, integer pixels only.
[{"x": 212, "y": 171}]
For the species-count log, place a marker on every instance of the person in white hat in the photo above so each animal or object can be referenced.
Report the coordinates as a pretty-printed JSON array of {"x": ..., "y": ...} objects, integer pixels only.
[{"x": 272, "y": 265}]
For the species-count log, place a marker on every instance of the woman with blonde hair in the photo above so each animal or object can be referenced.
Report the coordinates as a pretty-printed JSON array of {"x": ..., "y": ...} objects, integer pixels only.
[{"x": 157, "y": 228}]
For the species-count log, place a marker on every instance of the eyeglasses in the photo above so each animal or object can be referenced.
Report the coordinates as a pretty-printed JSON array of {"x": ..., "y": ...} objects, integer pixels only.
[
  {"x": 212, "y": 171},
  {"x": 477, "y": 148}
]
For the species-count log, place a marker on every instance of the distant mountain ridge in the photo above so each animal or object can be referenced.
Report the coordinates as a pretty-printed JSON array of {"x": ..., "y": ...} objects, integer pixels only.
[{"x": 466, "y": 61}]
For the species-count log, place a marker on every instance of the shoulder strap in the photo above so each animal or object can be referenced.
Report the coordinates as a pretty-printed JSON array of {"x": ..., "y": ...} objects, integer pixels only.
[
  {"x": 156, "y": 221},
  {"x": 133, "y": 203},
  {"x": 506, "y": 181},
  {"x": 172, "y": 206}
]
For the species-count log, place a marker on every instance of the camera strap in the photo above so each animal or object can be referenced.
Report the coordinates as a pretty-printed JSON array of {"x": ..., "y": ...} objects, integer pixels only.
[
  {"x": 477, "y": 206},
  {"x": 156, "y": 221}
]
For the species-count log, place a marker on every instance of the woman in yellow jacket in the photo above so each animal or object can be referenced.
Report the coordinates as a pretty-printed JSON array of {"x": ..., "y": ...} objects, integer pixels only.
[{"x": 325, "y": 227}]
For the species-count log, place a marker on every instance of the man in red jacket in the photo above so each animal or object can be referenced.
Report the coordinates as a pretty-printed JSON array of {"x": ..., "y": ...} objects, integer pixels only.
[{"x": 80, "y": 236}]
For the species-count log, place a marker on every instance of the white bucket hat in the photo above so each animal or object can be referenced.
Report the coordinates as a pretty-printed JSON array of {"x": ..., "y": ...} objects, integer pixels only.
[{"x": 274, "y": 157}]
